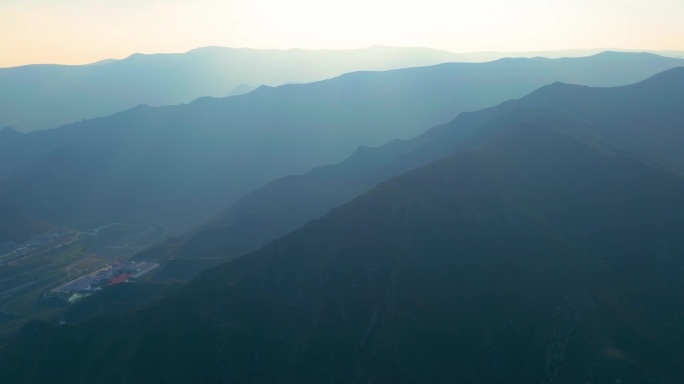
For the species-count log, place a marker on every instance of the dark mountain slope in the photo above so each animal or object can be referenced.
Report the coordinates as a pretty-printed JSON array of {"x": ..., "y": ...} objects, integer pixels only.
[
  {"x": 644, "y": 118},
  {"x": 534, "y": 256},
  {"x": 179, "y": 165}
]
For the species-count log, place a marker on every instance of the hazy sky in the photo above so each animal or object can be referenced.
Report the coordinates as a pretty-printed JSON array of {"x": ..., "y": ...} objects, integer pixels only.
[{"x": 81, "y": 31}]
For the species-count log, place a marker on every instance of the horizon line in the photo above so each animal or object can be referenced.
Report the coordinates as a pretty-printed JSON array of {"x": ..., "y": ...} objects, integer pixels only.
[{"x": 107, "y": 60}]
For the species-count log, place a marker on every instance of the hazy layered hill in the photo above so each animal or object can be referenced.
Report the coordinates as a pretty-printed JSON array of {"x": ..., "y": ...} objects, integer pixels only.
[
  {"x": 179, "y": 165},
  {"x": 17, "y": 227},
  {"x": 643, "y": 118},
  {"x": 47, "y": 96},
  {"x": 538, "y": 254}
]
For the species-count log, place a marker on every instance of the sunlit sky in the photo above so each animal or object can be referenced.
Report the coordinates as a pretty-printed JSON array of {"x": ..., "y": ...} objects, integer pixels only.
[{"x": 82, "y": 31}]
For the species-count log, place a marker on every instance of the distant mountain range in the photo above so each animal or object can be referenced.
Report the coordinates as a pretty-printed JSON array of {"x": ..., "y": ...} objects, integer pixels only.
[
  {"x": 546, "y": 248},
  {"x": 37, "y": 97},
  {"x": 555, "y": 54},
  {"x": 179, "y": 165},
  {"x": 651, "y": 130},
  {"x": 45, "y": 96}
]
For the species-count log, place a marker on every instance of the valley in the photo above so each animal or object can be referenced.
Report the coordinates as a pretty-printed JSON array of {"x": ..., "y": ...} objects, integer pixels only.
[{"x": 34, "y": 276}]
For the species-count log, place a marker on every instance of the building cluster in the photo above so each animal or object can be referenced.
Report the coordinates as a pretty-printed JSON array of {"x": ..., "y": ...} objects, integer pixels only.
[{"x": 118, "y": 272}]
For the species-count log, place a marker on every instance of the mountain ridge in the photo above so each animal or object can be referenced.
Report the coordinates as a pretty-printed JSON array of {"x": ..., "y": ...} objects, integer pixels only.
[
  {"x": 285, "y": 204},
  {"x": 524, "y": 258},
  {"x": 262, "y": 131},
  {"x": 88, "y": 91}
]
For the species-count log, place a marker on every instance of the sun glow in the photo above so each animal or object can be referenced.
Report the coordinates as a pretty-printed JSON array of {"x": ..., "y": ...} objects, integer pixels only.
[
  {"x": 78, "y": 31},
  {"x": 351, "y": 24}
]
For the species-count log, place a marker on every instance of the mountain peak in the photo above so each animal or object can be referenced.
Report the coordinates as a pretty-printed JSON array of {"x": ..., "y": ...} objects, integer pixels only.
[
  {"x": 626, "y": 54},
  {"x": 610, "y": 53},
  {"x": 9, "y": 131},
  {"x": 555, "y": 90},
  {"x": 675, "y": 75}
]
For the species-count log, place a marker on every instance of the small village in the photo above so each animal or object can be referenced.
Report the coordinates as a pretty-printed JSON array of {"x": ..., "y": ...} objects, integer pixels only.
[{"x": 115, "y": 273}]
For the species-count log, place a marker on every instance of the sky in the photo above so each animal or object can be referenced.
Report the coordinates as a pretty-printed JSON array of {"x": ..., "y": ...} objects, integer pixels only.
[{"x": 84, "y": 31}]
